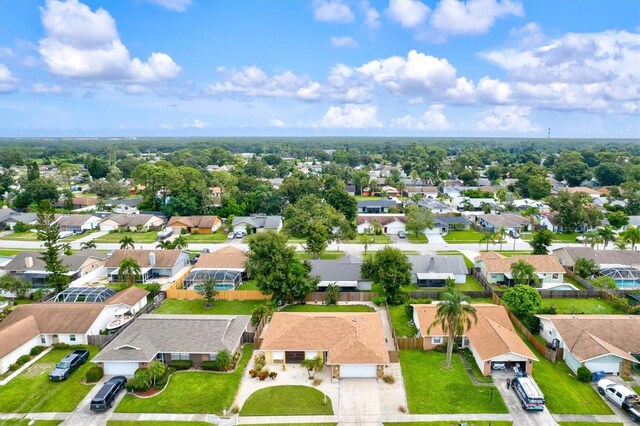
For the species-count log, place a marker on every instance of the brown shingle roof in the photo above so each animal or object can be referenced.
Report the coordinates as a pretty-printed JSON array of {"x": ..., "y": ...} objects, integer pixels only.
[
  {"x": 129, "y": 296},
  {"x": 73, "y": 219},
  {"x": 497, "y": 263},
  {"x": 194, "y": 221},
  {"x": 348, "y": 338},
  {"x": 228, "y": 257},
  {"x": 583, "y": 189},
  {"x": 492, "y": 335},
  {"x": 164, "y": 258},
  {"x": 85, "y": 201},
  {"x": 17, "y": 334},
  {"x": 57, "y": 317}
]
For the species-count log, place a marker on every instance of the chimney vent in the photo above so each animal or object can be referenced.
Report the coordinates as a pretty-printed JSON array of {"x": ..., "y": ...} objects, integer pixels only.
[{"x": 28, "y": 262}]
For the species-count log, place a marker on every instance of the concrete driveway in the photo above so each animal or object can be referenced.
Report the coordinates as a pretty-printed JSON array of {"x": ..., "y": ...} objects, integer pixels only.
[
  {"x": 82, "y": 415},
  {"x": 520, "y": 416},
  {"x": 359, "y": 402}
]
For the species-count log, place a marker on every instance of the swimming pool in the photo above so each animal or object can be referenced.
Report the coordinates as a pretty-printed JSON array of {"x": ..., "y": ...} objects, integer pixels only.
[
  {"x": 198, "y": 287},
  {"x": 627, "y": 284}
]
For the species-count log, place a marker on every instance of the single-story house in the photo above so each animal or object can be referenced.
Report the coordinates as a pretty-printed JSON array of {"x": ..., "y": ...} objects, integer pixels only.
[
  {"x": 84, "y": 203},
  {"x": 496, "y": 268},
  {"x": 352, "y": 344},
  {"x": 132, "y": 222},
  {"x": 492, "y": 339},
  {"x": 225, "y": 266},
  {"x": 507, "y": 221},
  {"x": 477, "y": 203},
  {"x": 257, "y": 223},
  {"x": 584, "y": 190},
  {"x": 44, "y": 324},
  {"x": 381, "y": 205},
  {"x": 444, "y": 224},
  {"x": 556, "y": 185},
  {"x": 195, "y": 224},
  {"x": 124, "y": 205},
  {"x": 172, "y": 337},
  {"x": 9, "y": 218},
  {"x": 429, "y": 192},
  {"x": 599, "y": 342},
  {"x": 153, "y": 263},
  {"x": 434, "y": 270},
  {"x": 550, "y": 222},
  {"x": 77, "y": 223},
  {"x": 604, "y": 258},
  {"x": 389, "y": 223},
  {"x": 29, "y": 267},
  {"x": 344, "y": 272},
  {"x": 436, "y": 206}
]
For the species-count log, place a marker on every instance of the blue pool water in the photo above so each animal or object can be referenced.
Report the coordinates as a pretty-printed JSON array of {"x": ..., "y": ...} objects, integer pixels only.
[
  {"x": 628, "y": 283},
  {"x": 198, "y": 287}
]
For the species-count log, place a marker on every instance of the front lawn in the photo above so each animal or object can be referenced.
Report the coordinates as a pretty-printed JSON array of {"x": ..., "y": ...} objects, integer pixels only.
[
  {"x": 463, "y": 237},
  {"x": 589, "y": 424},
  {"x": 400, "y": 322},
  {"x": 220, "y": 307},
  {"x": 636, "y": 389},
  {"x": 432, "y": 389},
  {"x": 467, "y": 262},
  {"x": 192, "y": 392},
  {"x": 466, "y": 353},
  {"x": 28, "y": 422},
  {"x": 471, "y": 284},
  {"x": 325, "y": 308},
  {"x": 215, "y": 238},
  {"x": 154, "y": 423},
  {"x": 287, "y": 401},
  {"x": 33, "y": 392},
  {"x": 564, "y": 238},
  {"x": 21, "y": 236},
  {"x": 138, "y": 237},
  {"x": 581, "y": 306},
  {"x": 10, "y": 252},
  {"x": 379, "y": 239},
  {"x": 420, "y": 239},
  {"x": 452, "y": 423},
  {"x": 327, "y": 255}
]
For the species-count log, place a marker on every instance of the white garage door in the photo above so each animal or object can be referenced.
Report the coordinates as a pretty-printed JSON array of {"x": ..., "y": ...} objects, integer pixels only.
[
  {"x": 120, "y": 368},
  {"x": 607, "y": 367},
  {"x": 348, "y": 371}
]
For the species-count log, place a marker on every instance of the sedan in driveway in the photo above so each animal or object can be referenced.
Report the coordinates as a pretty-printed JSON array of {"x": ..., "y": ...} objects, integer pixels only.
[
  {"x": 401, "y": 234},
  {"x": 107, "y": 395}
]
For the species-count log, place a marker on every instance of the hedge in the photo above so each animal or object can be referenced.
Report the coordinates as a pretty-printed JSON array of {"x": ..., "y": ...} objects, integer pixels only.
[
  {"x": 94, "y": 374},
  {"x": 181, "y": 364}
]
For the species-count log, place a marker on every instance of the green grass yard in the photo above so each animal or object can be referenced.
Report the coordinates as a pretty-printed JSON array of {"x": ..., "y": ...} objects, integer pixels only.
[
  {"x": 325, "y": 308},
  {"x": 28, "y": 422},
  {"x": 379, "y": 239},
  {"x": 400, "y": 321},
  {"x": 327, "y": 255},
  {"x": 10, "y": 252},
  {"x": 420, "y": 239},
  {"x": 287, "y": 401},
  {"x": 138, "y": 237},
  {"x": 468, "y": 262},
  {"x": 433, "y": 389},
  {"x": 220, "y": 307},
  {"x": 215, "y": 238},
  {"x": 21, "y": 236},
  {"x": 452, "y": 423},
  {"x": 463, "y": 237},
  {"x": 249, "y": 285},
  {"x": 192, "y": 392},
  {"x": 33, "y": 392},
  {"x": 154, "y": 423},
  {"x": 581, "y": 306}
]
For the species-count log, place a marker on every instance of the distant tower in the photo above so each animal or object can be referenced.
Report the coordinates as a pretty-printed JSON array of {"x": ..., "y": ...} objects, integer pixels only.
[{"x": 549, "y": 133}]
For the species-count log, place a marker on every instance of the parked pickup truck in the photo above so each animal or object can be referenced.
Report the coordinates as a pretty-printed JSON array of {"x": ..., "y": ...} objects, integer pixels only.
[
  {"x": 621, "y": 396},
  {"x": 68, "y": 364}
]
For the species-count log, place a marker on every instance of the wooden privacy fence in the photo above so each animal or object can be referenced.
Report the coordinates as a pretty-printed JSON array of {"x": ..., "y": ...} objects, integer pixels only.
[
  {"x": 410, "y": 342},
  {"x": 176, "y": 293},
  {"x": 257, "y": 341},
  {"x": 345, "y": 296},
  {"x": 438, "y": 294},
  {"x": 394, "y": 355}
]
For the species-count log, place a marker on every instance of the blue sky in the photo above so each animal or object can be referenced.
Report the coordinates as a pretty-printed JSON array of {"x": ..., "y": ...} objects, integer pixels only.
[{"x": 320, "y": 67}]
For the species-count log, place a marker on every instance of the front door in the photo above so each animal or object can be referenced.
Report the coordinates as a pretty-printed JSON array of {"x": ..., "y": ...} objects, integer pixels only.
[
  {"x": 293, "y": 357},
  {"x": 54, "y": 339}
]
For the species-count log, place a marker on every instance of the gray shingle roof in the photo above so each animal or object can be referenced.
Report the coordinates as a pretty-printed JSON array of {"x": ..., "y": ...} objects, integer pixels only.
[
  {"x": 267, "y": 222},
  {"x": 450, "y": 220},
  {"x": 345, "y": 269},
  {"x": 153, "y": 334},
  {"x": 131, "y": 202},
  {"x": 73, "y": 262},
  {"x": 438, "y": 264},
  {"x": 607, "y": 257},
  {"x": 376, "y": 203}
]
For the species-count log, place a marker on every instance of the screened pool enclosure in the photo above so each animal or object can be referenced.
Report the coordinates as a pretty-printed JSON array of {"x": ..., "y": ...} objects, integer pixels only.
[{"x": 226, "y": 279}]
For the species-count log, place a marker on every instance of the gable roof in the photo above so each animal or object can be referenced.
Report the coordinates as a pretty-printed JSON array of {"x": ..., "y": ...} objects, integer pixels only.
[
  {"x": 57, "y": 317},
  {"x": 348, "y": 337},
  {"x": 132, "y": 220},
  {"x": 497, "y": 263},
  {"x": 583, "y": 189},
  {"x": 439, "y": 264},
  {"x": 129, "y": 296},
  {"x": 450, "y": 220},
  {"x": 72, "y": 263},
  {"x": 131, "y": 202},
  {"x": 228, "y": 257},
  {"x": 74, "y": 219},
  {"x": 163, "y": 258},
  {"x": 505, "y": 220},
  {"x": 491, "y": 336},
  {"x": 381, "y": 219},
  {"x": 149, "y": 335},
  {"x": 606, "y": 257},
  {"x": 344, "y": 269},
  {"x": 258, "y": 221},
  {"x": 591, "y": 336},
  {"x": 382, "y": 202},
  {"x": 194, "y": 221},
  {"x": 17, "y": 334},
  {"x": 85, "y": 201}
]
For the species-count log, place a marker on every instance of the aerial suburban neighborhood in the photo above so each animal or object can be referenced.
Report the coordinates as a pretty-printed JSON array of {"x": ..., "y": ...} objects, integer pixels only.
[{"x": 319, "y": 213}]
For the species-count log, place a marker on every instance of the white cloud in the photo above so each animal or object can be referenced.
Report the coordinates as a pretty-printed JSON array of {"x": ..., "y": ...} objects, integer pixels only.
[
  {"x": 493, "y": 91},
  {"x": 416, "y": 101},
  {"x": 6, "y": 52},
  {"x": 512, "y": 118},
  {"x": 136, "y": 89},
  {"x": 453, "y": 17},
  {"x": 277, "y": 123},
  {"x": 8, "y": 83},
  {"x": 432, "y": 119},
  {"x": 345, "y": 41},
  {"x": 350, "y": 117},
  {"x": 371, "y": 15},
  {"x": 528, "y": 35},
  {"x": 195, "y": 124},
  {"x": 86, "y": 45},
  {"x": 43, "y": 88},
  {"x": 408, "y": 13},
  {"x": 176, "y": 5},
  {"x": 332, "y": 11}
]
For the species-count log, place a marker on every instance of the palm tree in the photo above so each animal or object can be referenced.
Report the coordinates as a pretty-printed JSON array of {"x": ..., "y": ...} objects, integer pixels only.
[
  {"x": 164, "y": 245},
  {"x": 524, "y": 273},
  {"x": 454, "y": 317},
  {"x": 607, "y": 234},
  {"x": 313, "y": 366},
  {"x": 632, "y": 235},
  {"x": 180, "y": 243},
  {"x": 485, "y": 207},
  {"x": 500, "y": 235},
  {"x": 592, "y": 238},
  {"x": 66, "y": 249},
  {"x": 488, "y": 237},
  {"x": 127, "y": 242},
  {"x": 531, "y": 212},
  {"x": 88, "y": 245},
  {"x": 621, "y": 244},
  {"x": 129, "y": 271}
]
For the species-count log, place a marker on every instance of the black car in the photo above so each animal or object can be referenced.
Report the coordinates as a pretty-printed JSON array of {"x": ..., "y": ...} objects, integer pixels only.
[{"x": 107, "y": 395}]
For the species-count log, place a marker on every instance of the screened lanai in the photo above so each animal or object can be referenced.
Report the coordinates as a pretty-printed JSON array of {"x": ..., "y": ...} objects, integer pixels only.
[
  {"x": 84, "y": 295},
  {"x": 625, "y": 277},
  {"x": 226, "y": 279}
]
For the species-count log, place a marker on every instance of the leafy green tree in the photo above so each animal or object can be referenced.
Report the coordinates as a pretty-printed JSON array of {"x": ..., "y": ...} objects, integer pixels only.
[
  {"x": 20, "y": 288},
  {"x": 524, "y": 273},
  {"x": 333, "y": 295},
  {"x": 541, "y": 241},
  {"x": 531, "y": 212},
  {"x": 180, "y": 243},
  {"x": 607, "y": 234},
  {"x": 36, "y": 191},
  {"x": 266, "y": 309},
  {"x": 609, "y": 174},
  {"x": 49, "y": 233},
  {"x": 632, "y": 236},
  {"x": 539, "y": 187},
  {"x": 208, "y": 291},
  {"x": 164, "y": 245},
  {"x": 454, "y": 316},
  {"x": 418, "y": 220},
  {"x": 501, "y": 236},
  {"x": 66, "y": 249},
  {"x": 570, "y": 167},
  {"x": 574, "y": 210},
  {"x": 33, "y": 172},
  {"x": 156, "y": 370},
  {"x": 617, "y": 219},
  {"x": 390, "y": 268},
  {"x": 604, "y": 281},
  {"x": 129, "y": 271},
  {"x": 316, "y": 241},
  {"x": 277, "y": 271},
  {"x": 127, "y": 242},
  {"x": 522, "y": 300},
  {"x": 585, "y": 268},
  {"x": 339, "y": 199}
]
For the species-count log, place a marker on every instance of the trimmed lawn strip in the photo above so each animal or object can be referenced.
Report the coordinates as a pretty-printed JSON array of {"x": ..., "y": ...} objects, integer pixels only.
[
  {"x": 21, "y": 236},
  {"x": 474, "y": 367},
  {"x": 215, "y": 238},
  {"x": 581, "y": 306},
  {"x": 452, "y": 423},
  {"x": 287, "y": 401},
  {"x": 33, "y": 392},
  {"x": 379, "y": 239},
  {"x": 192, "y": 392},
  {"x": 432, "y": 389},
  {"x": 420, "y": 239},
  {"x": 220, "y": 307},
  {"x": 154, "y": 423},
  {"x": 325, "y": 308},
  {"x": 589, "y": 424},
  {"x": 636, "y": 389},
  {"x": 400, "y": 322},
  {"x": 28, "y": 422},
  {"x": 10, "y": 252},
  {"x": 327, "y": 255},
  {"x": 463, "y": 237},
  {"x": 467, "y": 262},
  {"x": 138, "y": 237},
  {"x": 568, "y": 279}
]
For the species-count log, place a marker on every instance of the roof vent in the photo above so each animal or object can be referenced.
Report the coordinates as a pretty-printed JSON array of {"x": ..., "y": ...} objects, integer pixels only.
[
  {"x": 354, "y": 319},
  {"x": 28, "y": 262}
]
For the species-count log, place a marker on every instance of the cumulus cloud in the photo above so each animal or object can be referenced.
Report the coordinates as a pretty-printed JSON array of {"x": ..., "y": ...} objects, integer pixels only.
[
  {"x": 176, "y": 5},
  {"x": 332, "y": 11},
  {"x": 195, "y": 124},
  {"x": 371, "y": 15},
  {"x": 277, "y": 123},
  {"x": 408, "y": 13},
  {"x": 43, "y": 88},
  {"x": 528, "y": 35},
  {"x": 432, "y": 119},
  {"x": 8, "y": 83},
  {"x": 84, "y": 44},
  {"x": 454, "y": 17},
  {"x": 350, "y": 117},
  {"x": 345, "y": 41},
  {"x": 511, "y": 118}
]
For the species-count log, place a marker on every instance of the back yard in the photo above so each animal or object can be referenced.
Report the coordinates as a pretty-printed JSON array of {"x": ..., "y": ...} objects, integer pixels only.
[
  {"x": 581, "y": 306},
  {"x": 325, "y": 308},
  {"x": 220, "y": 307}
]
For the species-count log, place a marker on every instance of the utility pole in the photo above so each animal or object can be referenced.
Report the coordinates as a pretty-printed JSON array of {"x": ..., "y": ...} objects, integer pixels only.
[{"x": 549, "y": 133}]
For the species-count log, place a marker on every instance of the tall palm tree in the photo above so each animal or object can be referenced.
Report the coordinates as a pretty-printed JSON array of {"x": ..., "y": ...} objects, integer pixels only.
[
  {"x": 486, "y": 207},
  {"x": 621, "y": 244},
  {"x": 88, "y": 245},
  {"x": 488, "y": 237},
  {"x": 500, "y": 235},
  {"x": 454, "y": 317},
  {"x": 607, "y": 234},
  {"x": 632, "y": 236},
  {"x": 164, "y": 245},
  {"x": 531, "y": 212},
  {"x": 127, "y": 242},
  {"x": 129, "y": 271},
  {"x": 180, "y": 243},
  {"x": 592, "y": 238},
  {"x": 524, "y": 273}
]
